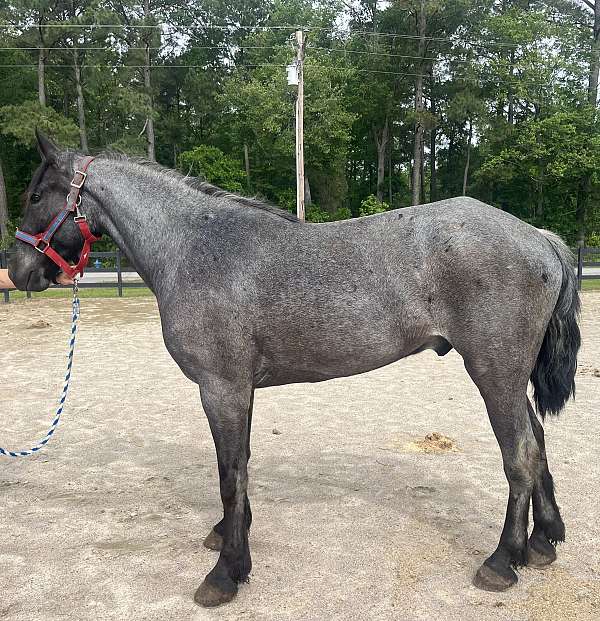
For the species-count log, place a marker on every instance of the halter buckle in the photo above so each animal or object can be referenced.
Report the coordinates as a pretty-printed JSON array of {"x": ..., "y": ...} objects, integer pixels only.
[
  {"x": 83, "y": 178},
  {"x": 80, "y": 218},
  {"x": 39, "y": 243}
]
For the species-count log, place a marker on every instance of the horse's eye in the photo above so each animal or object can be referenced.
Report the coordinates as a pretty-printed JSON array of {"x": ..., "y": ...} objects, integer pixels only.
[{"x": 35, "y": 198}]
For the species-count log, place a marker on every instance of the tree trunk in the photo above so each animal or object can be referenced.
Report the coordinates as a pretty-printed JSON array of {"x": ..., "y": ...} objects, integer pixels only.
[
  {"x": 80, "y": 103},
  {"x": 390, "y": 170},
  {"x": 247, "y": 165},
  {"x": 432, "y": 158},
  {"x": 3, "y": 206},
  {"x": 422, "y": 174},
  {"x": 418, "y": 146},
  {"x": 42, "y": 76},
  {"x": 381, "y": 141},
  {"x": 500, "y": 108},
  {"x": 595, "y": 61},
  {"x": 511, "y": 97},
  {"x": 580, "y": 210},
  {"x": 539, "y": 212},
  {"x": 468, "y": 162}
]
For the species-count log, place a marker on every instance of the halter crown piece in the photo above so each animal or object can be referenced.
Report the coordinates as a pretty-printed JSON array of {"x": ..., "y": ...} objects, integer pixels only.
[{"x": 41, "y": 241}]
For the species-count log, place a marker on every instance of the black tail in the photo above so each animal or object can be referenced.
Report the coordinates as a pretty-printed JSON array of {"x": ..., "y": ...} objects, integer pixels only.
[{"x": 553, "y": 376}]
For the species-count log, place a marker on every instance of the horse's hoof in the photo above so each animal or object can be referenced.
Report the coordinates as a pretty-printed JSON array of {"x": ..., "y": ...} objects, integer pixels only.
[
  {"x": 489, "y": 579},
  {"x": 209, "y": 596},
  {"x": 213, "y": 541},
  {"x": 540, "y": 553}
]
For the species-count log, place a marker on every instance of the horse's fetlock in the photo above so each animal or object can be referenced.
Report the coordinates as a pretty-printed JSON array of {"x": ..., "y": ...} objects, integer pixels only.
[
  {"x": 240, "y": 568},
  {"x": 554, "y": 530},
  {"x": 516, "y": 548}
]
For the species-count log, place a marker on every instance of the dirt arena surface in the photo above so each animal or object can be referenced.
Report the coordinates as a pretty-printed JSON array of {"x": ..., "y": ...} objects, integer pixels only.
[{"x": 357, "y": 516}]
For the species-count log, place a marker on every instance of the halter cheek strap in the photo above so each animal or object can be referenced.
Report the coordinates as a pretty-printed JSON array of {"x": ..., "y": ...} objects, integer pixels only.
[{"x": 41, "y": 241}]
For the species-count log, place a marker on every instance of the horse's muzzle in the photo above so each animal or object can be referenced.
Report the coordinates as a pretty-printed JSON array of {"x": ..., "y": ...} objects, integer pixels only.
[{"x": 31, "y": 280}]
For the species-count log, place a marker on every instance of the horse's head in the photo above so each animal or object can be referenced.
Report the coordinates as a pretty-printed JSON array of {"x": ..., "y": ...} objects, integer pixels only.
[{"x": 44, "y": 199}]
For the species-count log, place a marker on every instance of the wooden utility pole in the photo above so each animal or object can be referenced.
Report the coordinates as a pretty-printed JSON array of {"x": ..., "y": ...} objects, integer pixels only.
[
  {"x": 148, "y": 86},
  {"x": 80, "y": 100},
  {"x": 300, "y": 127}
]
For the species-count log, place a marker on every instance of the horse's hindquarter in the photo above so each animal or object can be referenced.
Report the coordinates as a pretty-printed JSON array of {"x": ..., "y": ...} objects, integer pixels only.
[{"x": 494, "y": 280}]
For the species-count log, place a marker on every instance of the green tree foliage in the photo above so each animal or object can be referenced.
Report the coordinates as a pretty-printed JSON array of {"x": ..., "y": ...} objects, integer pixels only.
[
  {"x": 542, "y": 162},
  {"x": 20, "y": 122},
  {"x": 508, "y": 109},
  {"x": 211, "y": 164}
]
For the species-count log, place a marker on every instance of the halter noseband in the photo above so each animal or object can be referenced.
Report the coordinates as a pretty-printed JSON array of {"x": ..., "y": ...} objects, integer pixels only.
[{"x": 41, "y": 241}]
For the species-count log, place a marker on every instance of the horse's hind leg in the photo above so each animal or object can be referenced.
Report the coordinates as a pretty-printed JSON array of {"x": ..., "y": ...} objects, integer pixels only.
[
  {"x": 548, "y": 527},
  {"x": 226, "y": 405},
  {"x": 506, "y": 401},
  {"x": 214, "y": 539}
]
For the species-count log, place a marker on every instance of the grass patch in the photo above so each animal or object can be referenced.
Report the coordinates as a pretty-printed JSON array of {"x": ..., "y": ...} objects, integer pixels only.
[
  {"x": 92, "y": 292},
  {"x": 142, "y": 292},
  {"x": 590, "y": 285}
]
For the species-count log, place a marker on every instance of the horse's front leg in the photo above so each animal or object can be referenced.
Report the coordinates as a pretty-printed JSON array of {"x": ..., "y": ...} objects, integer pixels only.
[
  {"x": 226, "y": 403},
  {"x": 214, "y": 539}
]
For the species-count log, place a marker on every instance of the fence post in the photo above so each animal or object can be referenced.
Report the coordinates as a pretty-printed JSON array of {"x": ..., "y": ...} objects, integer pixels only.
[
  {"x": 579, "y": 267},
  {"x": 3, "y": 264},
  {"x": 119, "y": 274}
]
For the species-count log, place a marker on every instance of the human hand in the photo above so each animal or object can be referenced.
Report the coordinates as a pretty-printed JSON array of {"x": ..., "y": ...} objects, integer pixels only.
[{"x": 63, "y": 279}]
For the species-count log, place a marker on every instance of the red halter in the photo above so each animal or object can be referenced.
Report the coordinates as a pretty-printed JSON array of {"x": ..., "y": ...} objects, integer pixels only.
[{"x": 41, "y": 241}]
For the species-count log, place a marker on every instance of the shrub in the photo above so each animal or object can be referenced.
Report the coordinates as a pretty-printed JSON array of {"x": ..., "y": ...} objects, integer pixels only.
[
  {"x": 213, "y": 165},
  {"x": 371, "y": 205},
  {"x": 593, "y": 239}
]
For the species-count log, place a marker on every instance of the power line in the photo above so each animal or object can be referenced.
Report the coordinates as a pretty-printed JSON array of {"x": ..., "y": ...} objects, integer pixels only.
[
  {"x": 156, "y": 47},
  {"x": 346, "y": 51},
  {"x": 260, "y": 28},
  {"x": 215, "y": 47},
  {"x": 177, "y": 66},
  {"x": 140, "y": 26},
  {"x": 308, "y": 67},
  {"x": 105, "y": 66},
  {"x": 239, "y": 47},
  {"x": 457, "y": 40}
]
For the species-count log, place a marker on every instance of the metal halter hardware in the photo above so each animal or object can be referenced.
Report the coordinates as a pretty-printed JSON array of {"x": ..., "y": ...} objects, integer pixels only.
[{"x": 41, "y": 241}]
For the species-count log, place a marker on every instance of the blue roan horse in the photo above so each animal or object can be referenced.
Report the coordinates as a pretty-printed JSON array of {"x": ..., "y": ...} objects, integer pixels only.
[{"x": 250, "y": 297}]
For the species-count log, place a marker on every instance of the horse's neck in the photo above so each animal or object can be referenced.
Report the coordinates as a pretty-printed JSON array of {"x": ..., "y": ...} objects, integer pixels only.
[{"x": 141, "y": 212}]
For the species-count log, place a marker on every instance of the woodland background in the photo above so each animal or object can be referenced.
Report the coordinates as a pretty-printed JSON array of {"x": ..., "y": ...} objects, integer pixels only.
[{"x": 406, "y": 102}]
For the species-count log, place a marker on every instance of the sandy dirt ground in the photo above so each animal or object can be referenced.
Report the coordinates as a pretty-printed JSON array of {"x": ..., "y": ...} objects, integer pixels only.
[{"x": 352, "y": 519}]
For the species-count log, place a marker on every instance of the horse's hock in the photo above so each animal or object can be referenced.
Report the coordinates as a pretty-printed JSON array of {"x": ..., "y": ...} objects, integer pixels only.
[{"x": 349, "y": 522}]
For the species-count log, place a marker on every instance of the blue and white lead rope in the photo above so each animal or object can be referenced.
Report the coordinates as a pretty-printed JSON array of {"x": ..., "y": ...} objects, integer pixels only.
[{"x": 65, "y": 390}]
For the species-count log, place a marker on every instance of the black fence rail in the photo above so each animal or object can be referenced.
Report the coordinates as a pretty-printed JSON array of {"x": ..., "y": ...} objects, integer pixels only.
[
  {"x": 113, "y": 262},
  {"x": 587, "y": 258},
  {"x": 100, "y": 262}
]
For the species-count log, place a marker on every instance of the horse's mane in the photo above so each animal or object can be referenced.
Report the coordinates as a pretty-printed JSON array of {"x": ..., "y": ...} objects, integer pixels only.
[{"x": 202, "y": 186}]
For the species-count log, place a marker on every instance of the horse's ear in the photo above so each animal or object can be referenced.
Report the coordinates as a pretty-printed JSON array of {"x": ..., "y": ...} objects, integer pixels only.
[{"x": 48, "y": 150}]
